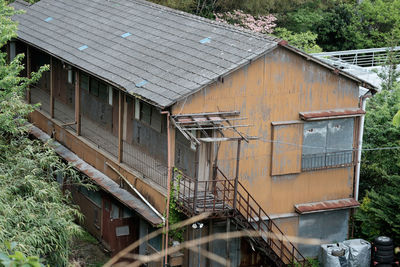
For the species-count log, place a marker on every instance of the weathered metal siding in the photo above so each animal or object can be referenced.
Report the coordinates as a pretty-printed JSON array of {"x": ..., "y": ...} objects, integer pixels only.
[
  {"x": 331, "y": 227},
  {"x": 276, "y": 88}
]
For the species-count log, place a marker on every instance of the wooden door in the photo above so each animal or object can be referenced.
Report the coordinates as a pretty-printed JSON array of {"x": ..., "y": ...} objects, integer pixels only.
[{"x": 120, "y": 228}]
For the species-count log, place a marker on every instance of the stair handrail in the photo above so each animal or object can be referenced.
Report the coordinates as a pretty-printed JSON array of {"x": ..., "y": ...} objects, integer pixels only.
[{"x": 270, "y": 221}]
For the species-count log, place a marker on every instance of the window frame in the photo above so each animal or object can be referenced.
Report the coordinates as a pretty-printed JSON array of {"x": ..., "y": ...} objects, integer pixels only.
[
  {"x": 327, "y": 158},
  {"x": 153, "y": 112}
]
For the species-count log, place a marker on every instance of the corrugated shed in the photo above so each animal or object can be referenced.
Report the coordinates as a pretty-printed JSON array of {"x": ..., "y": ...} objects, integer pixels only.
[{"x": 148, "y": 50}]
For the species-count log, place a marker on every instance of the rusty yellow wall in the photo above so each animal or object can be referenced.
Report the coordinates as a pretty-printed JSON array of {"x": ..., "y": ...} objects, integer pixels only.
[{"x": 276, "y": 87}]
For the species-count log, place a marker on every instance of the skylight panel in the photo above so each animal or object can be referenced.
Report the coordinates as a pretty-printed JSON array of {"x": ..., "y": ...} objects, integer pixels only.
[
  {"x": 205, "y": 40},
  {"x": 140, "y": 84},
  {"x": 126, "y": 34},
  {"x": 83, "y": 47}
]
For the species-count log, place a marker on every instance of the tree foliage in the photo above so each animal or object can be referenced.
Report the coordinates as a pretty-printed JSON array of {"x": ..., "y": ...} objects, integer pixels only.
[
  {"x": 303, "y": 40},
  {"x": 33, "y": 211},
  {"x": 380, "y": 169}
]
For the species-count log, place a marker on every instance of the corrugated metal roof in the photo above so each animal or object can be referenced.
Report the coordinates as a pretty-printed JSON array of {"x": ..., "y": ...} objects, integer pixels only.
[
  {"x": 100, "y": 178},
  {"x": 174, "y": 52},
  {"x": 344, "y": 203}
]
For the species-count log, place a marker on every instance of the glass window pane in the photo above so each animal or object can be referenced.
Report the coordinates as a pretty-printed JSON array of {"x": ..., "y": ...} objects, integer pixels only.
[
  {"x": 114, "y": 211},
  {"x": 145, "y": 114},
  {"x": 84, "y": 82},
  {"x": 156, "y": 119},
  {"x": 103, "y": 93},
  {"x": 94, "y": 87}
]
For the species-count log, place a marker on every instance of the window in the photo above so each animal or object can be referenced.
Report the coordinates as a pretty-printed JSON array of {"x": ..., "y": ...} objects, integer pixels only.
[
  {"x": 327, "y": 143},
  {"x": 71, "y": 76},
  {"x": 85, "y": 82},
  {"x": 94, "y": 196},
  {"x": 97, "y": 88},
  {"x": 148, "y": 114}
]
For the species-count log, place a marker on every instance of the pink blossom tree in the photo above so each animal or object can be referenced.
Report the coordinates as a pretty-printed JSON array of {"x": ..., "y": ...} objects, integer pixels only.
[{"x": 261, "y": 24}]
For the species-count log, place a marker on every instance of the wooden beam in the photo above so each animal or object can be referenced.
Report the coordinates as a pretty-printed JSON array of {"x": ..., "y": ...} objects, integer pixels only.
[
  {"x": 121, "y": 101},
  {"x": 28, "y": 73},
  {"x": 77, "y": 102},
  {"x": 219, "y": 113},
  {"x": 51, "y": 87}
]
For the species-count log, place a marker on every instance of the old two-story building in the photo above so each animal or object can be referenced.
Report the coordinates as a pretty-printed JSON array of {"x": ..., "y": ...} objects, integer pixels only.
[{"x": 265, "y": 136}]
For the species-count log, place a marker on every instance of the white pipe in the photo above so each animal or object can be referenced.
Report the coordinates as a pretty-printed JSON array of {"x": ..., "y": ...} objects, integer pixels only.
[
  {"x": 360, "y": 140},
  {"x": 138, "y": 193}
]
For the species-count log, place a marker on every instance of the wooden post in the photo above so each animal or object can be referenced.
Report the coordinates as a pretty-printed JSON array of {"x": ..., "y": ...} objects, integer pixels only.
[
  {"x": 77, "y": 103},
  {"x": 28, "y": 73},
  {"x": 120, "y": 126},
  {"x": 51, "y": 87},
  {"x": 237, "y": 174}
]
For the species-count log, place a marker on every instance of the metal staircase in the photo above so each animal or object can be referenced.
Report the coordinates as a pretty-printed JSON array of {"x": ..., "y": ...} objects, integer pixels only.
[{"x": 223, "y": 199}]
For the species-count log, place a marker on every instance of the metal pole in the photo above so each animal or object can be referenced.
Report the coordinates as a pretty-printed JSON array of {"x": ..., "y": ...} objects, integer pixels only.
[
  {"x": 51, "y": 87},
  {"x": 237, "y": 174},
  {"x": 168, "y": 185},
  {"x": 198, "y": 264},
  {"x": 120, "y": 129},
  {"x": 77, "y": 103},
  {"x": 28, "y": 72}
]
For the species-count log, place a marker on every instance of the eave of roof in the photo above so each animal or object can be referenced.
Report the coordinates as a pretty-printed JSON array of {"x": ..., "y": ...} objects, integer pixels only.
[
  {"x": 321, "y": 206},
  {"x": 99, "y": 178},
  {"x": 333, "y": 113}
]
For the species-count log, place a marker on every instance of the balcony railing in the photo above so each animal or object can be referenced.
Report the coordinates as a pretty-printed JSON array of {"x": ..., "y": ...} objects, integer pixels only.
[
  {"x": 327, "y": 160},
  {"x": 133, "y": 156}
]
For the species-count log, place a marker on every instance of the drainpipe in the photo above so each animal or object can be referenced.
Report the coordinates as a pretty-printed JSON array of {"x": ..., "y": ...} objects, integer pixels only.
[
  {"x": 360, "y": 139},
  {"x": 168, "y": 186}
]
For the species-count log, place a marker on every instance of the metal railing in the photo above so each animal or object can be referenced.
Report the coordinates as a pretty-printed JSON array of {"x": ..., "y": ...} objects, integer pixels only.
[
  {"x": 103, "y": 138},
  {"x": 147, "y": 165},
  {"x": 362, "y": 57},
  {"x": 217, "y": 196},
  {"x": 327, "y": 160}
]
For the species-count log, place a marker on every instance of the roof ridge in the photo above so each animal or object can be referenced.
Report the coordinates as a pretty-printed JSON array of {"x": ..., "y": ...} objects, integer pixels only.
[{"x": 223, "y": 25}]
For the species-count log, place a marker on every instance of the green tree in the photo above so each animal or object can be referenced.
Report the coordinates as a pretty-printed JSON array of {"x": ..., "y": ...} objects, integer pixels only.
[
  {"x": 380, "y": 180},
  {"x": 33, "y": 211},
  {"x": 303, "y": 40}
]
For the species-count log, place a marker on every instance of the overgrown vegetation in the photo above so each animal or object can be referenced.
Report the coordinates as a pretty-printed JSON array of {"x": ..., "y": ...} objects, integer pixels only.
[
  {"x": 380, "y": 169},
  {"x": 33, "y": 211},
  {"x": 313, "y": 25},
  {"x": 175, "y": 215}
]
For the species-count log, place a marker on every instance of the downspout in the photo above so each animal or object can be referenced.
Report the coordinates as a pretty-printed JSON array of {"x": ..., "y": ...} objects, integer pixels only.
[
  {"x": 359, "y": 148},
  {"x": 168, "y": 186}
]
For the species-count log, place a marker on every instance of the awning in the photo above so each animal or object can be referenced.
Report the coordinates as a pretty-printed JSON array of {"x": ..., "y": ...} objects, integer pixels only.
[
  {"x": 102, "y": 180},
  {"x": 221, "y": 122},
  {"x": 331, "y": 114},
  {"x": 337, "y": 204}
]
